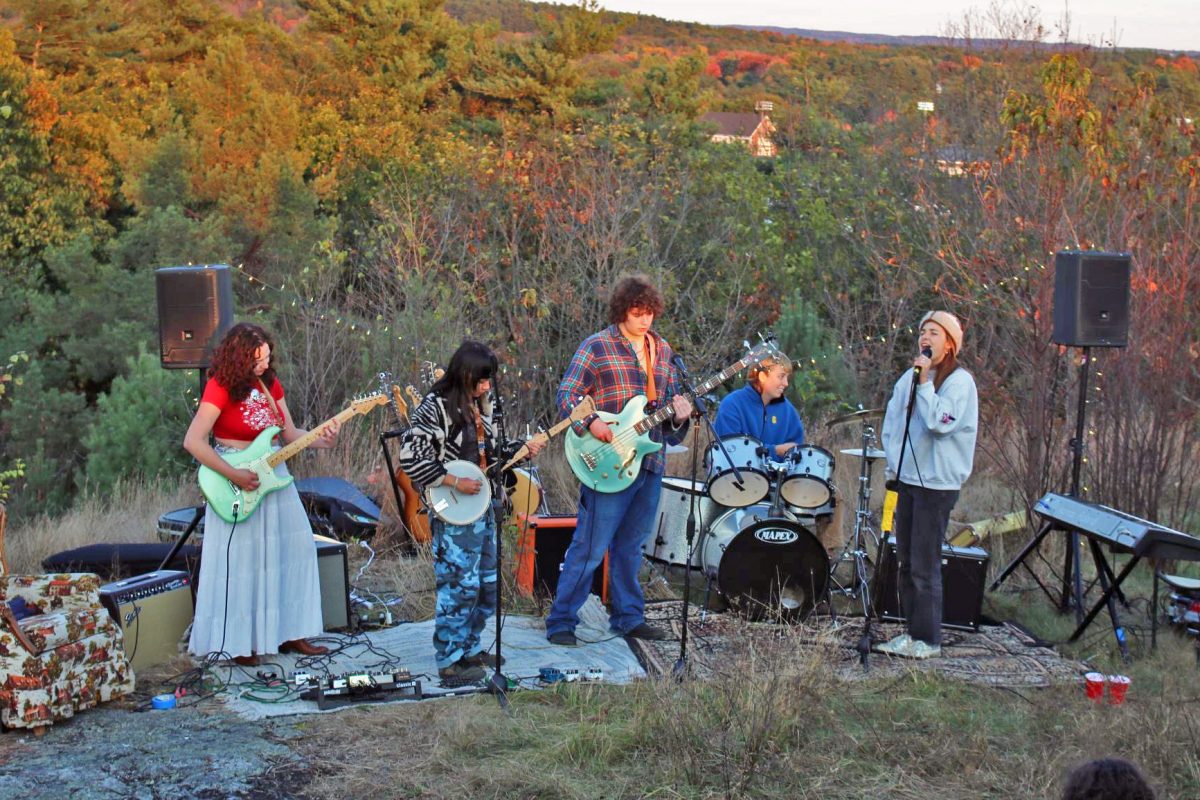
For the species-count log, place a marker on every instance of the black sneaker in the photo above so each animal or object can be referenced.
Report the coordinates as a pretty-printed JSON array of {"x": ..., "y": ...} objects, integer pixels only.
[
  {"x": 645, "y": 631},
  {"x": 462, "y": 672},
  {"x": 482, "y": 659},
  {"x": 563, "y": 639}
]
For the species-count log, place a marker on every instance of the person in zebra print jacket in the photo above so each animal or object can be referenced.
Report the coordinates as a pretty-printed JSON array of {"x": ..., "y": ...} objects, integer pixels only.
[{"x": 453, "y": 422}]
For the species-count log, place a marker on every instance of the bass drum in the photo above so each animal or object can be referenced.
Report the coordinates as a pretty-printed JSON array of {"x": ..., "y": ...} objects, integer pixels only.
[
  {"x": 767, "y": 567},
  {"x": 668, "y": 538}
]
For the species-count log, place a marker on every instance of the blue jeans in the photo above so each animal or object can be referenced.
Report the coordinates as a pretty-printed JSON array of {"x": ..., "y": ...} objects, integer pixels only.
[{"x": 617, "y": 523}]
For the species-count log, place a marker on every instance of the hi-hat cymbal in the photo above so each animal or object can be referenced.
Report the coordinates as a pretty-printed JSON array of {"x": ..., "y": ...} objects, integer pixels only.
[
  {"x": 871, "y": 453},
  {"x": 854, "y": 416}
]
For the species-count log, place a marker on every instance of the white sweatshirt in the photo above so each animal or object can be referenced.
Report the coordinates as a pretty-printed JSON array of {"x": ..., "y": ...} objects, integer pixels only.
[{"x": 941, "y": 436}]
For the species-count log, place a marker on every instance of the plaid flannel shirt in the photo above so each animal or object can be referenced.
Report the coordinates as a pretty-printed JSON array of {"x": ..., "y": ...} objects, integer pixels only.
[{"x": 606, "y": 367}]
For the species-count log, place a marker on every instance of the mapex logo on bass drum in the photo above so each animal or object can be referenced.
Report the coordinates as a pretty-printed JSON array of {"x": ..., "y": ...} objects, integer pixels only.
[{"x": 776, "y": 536}]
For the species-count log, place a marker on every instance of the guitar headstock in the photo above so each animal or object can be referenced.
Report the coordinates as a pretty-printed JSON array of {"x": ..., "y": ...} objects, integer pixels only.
[
  {"x": 767, "y": 349},
  {"x": 363, "y": 404},
  {"x": 584, "y": 408},
  {"x": 413, "y": 396},
  {"x": 398, "y": 402}
]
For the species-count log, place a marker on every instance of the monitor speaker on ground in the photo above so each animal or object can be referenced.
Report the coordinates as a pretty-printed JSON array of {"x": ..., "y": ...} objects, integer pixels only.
[
  {"x": 964, "y": 573},
  {"x": 153, "y": 611},
  {"x": 552, "y": 536},
  {"x": 335, "y": 585},
  {"x": 195, "y": 309},
  {"x": 1091, "y": 298}
]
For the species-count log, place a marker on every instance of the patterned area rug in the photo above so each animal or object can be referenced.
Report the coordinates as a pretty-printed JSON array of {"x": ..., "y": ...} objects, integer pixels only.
[{"x": 999, "y": 655}]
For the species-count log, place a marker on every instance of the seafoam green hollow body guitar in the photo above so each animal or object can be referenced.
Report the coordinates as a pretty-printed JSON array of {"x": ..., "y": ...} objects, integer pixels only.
[
  {"x": 609, "y": 467},
  {"x": 234, "y": 504}
]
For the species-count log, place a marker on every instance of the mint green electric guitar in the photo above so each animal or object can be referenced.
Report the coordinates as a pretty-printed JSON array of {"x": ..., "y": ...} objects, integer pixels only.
[
  {"x": 609, "y": 467},
  {"x": 234, "y": 504}
]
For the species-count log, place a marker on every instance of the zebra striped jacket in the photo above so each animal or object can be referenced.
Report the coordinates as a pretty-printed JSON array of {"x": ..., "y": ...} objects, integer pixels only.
[{"x": 430, "y": 443}]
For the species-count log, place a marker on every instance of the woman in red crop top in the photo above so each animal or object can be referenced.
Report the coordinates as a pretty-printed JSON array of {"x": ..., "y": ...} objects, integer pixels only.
[{"x": 259, "y": 591}]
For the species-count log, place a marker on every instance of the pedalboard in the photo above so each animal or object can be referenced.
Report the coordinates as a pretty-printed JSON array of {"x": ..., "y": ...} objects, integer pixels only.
[
  {"x": 357, "y": 687},
  {"x": 570, "y": 675}
]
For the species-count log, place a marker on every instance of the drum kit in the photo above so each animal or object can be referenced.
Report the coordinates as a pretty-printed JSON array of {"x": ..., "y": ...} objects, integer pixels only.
[
  {"x": 757, "y": 516},
  {"x": 756, "y": 539}
]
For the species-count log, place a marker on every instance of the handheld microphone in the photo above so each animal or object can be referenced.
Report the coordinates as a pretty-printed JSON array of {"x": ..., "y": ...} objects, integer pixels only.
[{"x": 925, "y": 351}]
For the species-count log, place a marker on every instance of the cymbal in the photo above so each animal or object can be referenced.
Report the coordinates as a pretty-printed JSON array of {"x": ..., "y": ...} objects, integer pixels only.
[
  {"x": 676, "y": 448},
  {"x": 858, "y": 453},
  {"x": 854, "y": 416}
]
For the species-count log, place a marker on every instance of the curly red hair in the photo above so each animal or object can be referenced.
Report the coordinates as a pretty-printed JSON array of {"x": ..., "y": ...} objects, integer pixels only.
[
  {"x": 634, "y": 292},
  {"x": 233, "y": 360}
]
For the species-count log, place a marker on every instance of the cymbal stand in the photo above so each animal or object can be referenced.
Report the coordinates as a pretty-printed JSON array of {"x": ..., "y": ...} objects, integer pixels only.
[{"x": 864, "y": 534}]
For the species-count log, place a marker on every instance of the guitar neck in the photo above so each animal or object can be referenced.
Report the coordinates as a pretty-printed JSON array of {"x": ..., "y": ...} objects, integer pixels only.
[
  {"x": 294, "y": 447},
  {"x": 667, "y": 411}
]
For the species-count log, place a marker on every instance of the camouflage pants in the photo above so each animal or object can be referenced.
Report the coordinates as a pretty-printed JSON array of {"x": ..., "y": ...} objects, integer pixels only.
[{"x": 464, "y": 566}]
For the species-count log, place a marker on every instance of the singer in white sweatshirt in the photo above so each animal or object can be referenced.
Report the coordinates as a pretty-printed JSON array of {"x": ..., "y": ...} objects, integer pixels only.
[{"x": 938, "y": 454}]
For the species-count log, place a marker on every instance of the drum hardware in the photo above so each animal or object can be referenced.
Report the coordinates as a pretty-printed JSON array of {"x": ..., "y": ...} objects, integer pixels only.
[
  {"x": 861, "y": 414},
  {"x": 864, "y": 534}
]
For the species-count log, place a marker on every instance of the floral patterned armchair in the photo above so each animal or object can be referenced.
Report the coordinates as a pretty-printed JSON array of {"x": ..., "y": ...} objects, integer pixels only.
[{"x": 67, "y": 655}]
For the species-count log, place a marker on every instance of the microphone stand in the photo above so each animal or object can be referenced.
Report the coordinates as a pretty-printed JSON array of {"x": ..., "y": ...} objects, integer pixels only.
[
  {"x": 864, "y": 641},
  {"x": 699, "y": 412},
  {"x": 498, "y": 683}
]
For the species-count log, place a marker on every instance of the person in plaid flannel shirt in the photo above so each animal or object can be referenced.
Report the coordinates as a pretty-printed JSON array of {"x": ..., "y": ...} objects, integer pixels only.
[{"x": 626, "y": 359}]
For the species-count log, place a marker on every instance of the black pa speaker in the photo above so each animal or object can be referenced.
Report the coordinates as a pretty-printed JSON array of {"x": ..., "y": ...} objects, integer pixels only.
[
  {"x": 195, "y": 309},
  {"x": 964, "y": 573},
  {"x": 1091, "y": 298}
]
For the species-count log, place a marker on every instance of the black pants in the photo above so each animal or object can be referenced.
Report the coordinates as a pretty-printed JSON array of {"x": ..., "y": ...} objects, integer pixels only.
[{"x": 922, "y": 516}]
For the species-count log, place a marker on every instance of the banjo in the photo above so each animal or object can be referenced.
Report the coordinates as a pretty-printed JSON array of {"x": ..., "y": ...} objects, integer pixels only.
[{"x": 455, "y": 508}]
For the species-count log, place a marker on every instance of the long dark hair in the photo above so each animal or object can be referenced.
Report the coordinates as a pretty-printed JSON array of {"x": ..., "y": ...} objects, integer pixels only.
[
  {"x": 471, "y": 363},
  {"x": 233, "y": 360}
]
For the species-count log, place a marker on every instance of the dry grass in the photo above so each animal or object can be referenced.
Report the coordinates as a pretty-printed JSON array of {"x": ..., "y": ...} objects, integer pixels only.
[
  {"x": 128, "y": 514},
  {"x": 771, "y": 725}
]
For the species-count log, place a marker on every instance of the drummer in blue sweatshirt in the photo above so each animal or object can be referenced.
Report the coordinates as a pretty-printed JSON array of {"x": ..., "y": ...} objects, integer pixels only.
[{"x": 759, "y": 409}]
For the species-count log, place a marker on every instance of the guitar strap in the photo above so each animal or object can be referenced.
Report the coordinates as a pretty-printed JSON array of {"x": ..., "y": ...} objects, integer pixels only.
[
  {"x": 651, "y": 389},
  {"x": 480, "y": 441},
  {"x": 271, "y": 400}
]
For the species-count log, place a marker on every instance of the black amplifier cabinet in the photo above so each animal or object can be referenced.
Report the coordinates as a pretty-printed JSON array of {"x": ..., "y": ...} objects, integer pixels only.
[
  {"x": 964, "y": 574},
  {"x": 153, "y": 611}
]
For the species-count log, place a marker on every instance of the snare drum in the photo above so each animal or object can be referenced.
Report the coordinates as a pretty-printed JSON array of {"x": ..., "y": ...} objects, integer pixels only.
[
  {"x": 668, "y": 538},
  {"x": 747, "y": 453},
  {"x": 765, "y": 565},
  {"x": 808, "y": 479}
]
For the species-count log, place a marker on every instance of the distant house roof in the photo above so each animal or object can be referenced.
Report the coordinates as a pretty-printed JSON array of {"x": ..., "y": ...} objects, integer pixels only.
[{"x": 732, "y": 123}]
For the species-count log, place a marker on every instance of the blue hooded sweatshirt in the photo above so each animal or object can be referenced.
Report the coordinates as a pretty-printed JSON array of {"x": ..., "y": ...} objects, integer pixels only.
[{"x": 742, "y": 413}]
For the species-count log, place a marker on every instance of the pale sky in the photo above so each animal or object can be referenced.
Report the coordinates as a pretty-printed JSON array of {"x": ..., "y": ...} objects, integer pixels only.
[{"x": 1161, "y": 24}]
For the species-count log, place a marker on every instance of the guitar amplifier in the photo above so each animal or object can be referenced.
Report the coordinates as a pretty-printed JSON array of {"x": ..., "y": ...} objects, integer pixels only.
[
  {"x": 335, "y": 586},
  {"x": 552, "y": 536},
  {"x": 153, "y": 611},
  {"x": 964, "y": 574}
]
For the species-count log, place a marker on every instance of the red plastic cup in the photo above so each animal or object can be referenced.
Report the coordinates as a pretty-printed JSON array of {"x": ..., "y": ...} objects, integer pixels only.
[
  {"x": 1118, "y": 685},
  {"x": 1094, "y": 682}
]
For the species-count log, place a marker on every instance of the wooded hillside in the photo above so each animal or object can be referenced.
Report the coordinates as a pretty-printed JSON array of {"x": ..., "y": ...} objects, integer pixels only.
[{"x": 389, "y": 176}]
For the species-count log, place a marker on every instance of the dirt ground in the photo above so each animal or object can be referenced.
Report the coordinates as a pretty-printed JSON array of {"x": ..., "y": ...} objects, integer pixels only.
[{"x": 118, "y": 751}]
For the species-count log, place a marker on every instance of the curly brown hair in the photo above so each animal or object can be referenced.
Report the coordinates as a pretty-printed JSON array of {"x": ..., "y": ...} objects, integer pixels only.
[
  {"x": 634, "y": 292},
  {"x": 233, "y": 360}
]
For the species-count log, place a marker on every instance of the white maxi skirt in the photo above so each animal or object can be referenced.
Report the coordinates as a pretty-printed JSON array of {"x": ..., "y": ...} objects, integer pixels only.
[{"x": 259, "y": 585}]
